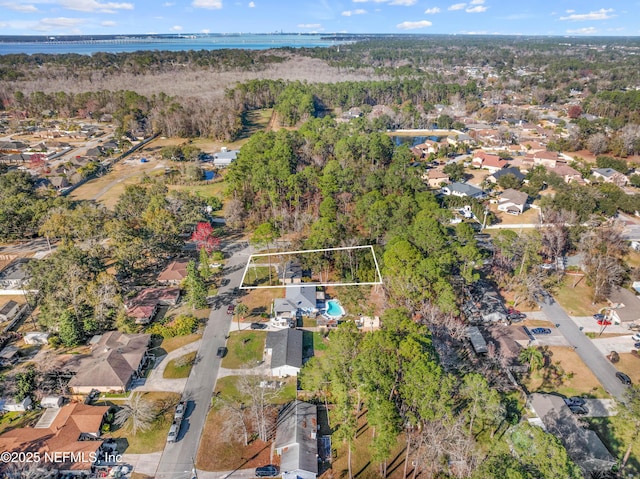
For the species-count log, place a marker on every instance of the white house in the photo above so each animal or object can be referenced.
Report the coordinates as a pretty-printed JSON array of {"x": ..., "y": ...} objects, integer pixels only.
[
  {"x": 9, "y": 311},
  {"x": 283, "y": 350},
  {"x": 298, "y": 300},
  {"x": 512, "y": 201},
  {"x": 297, "y": 441},
  {"x": 17, "y": 406}
]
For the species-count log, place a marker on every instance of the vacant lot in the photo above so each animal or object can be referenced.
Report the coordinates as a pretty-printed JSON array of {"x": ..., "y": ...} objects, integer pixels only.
[
  {"x": 578, "y": 300},
  {"x": 180, "y": 367},
  {"x": 155, "y": 438},
  {"x": 245, "y": 349},
  {"x": 171, "y": 344},
  {"x": 565, "y": 373}
]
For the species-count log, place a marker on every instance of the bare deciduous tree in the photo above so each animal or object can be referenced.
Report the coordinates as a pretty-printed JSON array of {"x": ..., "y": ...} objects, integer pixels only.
[
  {"x": 603, "y": 249},
  {"x": 261, "y": 392},
  {"x": 137, "y": 414}
]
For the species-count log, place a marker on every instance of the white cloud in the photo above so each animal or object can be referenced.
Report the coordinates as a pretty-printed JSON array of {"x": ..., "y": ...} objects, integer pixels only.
[
  {"x": 602, "y": 14},
  {"x": 414, "y": 25},
  {"x": 457, "y": 6},
  {"x": 208, "y": 4},
  {"x": 348, "y": 13},
  {"x": 252, "y": 5},
  {"x": 176, "y": 28},
  {"x": 432, "y": 11},
  {"x": 309, "y": 25},
  {"x": 583, "y": 31},
  {"x": 476, "y": 9},
  {"x": 168, "y": 4},
  {"x": 404, "y": 3},
  {"x": 571, "y": 11},
  {"x": 108, "y": 23},
  {"x": 19, "y": 7},
  {"x": 95, "y": 6},
  {"x": 206, "y": 31},
  {"x": 58, "y": 23},
  {"x": 477, "y": 2}
]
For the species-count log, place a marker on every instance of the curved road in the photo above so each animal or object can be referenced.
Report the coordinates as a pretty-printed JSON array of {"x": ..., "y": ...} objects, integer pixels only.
[
  {"x": 177, "y": 459},
  {"x": 603, "y": 370}
]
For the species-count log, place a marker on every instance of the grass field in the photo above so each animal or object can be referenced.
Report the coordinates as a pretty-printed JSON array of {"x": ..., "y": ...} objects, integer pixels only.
[
  {"x": 630, "y": 365},
  {"x": 259, "y": 300},
  {"x": 175, "y": 371},
  {"x": 576, "y": 301},
  {"x": 245, "y": 349},
  {"x": 171, "y": 344},
  {"x": 530, "y": 216},
  {"x": 155, "y": 438},
  {"x": 572, "y": 378},
  {"x": 13, "y": 420}
]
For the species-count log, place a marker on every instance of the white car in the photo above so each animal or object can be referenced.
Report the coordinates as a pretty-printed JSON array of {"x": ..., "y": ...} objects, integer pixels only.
[{"x": 636, "y": 337}]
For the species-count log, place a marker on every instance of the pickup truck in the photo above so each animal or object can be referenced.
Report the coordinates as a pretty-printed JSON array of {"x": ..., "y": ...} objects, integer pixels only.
[{"x": 173, "y": 431}]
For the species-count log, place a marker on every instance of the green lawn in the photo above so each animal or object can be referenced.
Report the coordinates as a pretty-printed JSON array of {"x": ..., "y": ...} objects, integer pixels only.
[
  {"x": 245, "y": 349},
  {"x": 13, "y": 420},
  {"x": 227, "y": 387},
  {"x": 173, "y": 371},
  {"x": 259, "y": 276},
  {"x": 155, "y": 438},
  {"x": 171, "y": 344},
  {"x": 576, "y": 301}
]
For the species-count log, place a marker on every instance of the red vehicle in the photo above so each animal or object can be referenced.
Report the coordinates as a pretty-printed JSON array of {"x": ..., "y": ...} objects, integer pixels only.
[
  {"x": 604, "y": 322},
  {"x": 513, "y": 311}
]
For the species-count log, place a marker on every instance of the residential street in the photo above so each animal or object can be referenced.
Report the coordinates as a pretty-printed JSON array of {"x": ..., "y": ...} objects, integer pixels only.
[
  {"x": 588, "y": 352},
  {"x": 177, "y": 458}
]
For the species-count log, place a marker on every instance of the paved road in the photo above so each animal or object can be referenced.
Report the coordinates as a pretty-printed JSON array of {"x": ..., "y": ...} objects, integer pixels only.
[
  {"x": 176, "y": 461},
  {"x": 588, "y": 352}
]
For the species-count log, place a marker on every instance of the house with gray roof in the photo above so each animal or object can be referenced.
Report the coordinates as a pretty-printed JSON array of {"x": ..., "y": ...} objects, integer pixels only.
[
  {"x": 299, "y": 300},
  {"x": 512, "y": 201},
  {"x": 494, "y": 177},
  {"x": 283, "y": 350},
  {"x": 225, "y": 157},
  {"x": 609, "y": 175},
  {"x": 116, "y": 360},
  {"x": 462, "y": 189},
  {"x": 14, "y": 276},
  {"x": 625, "y": 306},
  {"x": 9, "y": 311},
  {"x": 296, "y": 440},
  {"x": 583, "y": 445}
]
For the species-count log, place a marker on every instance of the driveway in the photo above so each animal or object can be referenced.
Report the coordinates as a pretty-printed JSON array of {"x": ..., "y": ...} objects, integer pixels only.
[
  {"x": 586, "y": 349},
  {"x": 177, "y": 458},
  {"x": 156, "y": 380}
]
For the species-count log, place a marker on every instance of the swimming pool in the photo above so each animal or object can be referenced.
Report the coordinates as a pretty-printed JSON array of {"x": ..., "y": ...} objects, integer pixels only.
[{"x": 334, "y": 309}]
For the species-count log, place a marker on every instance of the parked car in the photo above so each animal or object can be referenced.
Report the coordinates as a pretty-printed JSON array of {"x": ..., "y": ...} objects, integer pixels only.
[
  {"x": 512, "y": 311},
  {"x": 516, "y": 316},
  {"x": 636, "y": 345},
  {"x": 636, "y": 337},
  {"x": 173, "y": 431},
  {"x": 222, "y": 352},
  {"x": 541, "y": 331},
  {"x": 258, "y": 326},
  {"x": 224, "y": 282},
  {"x": 598, "y": 316},
  {"x": 574, "y": 401},
  {"x": 624, "y": 379},
  {"x": 230, "y": 309},
  {"x": 604, "y": 322},
  {"x": 179, "y": 414},
  {"x": 634, "y": 327},
  {"x": 266, "y": 471},
  {"x": 581, "y": 410}
]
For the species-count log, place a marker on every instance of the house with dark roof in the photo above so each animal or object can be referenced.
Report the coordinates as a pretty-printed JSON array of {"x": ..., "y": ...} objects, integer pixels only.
[
  {"x": 72, "y": 437},
  {"x": 283, "y": 350},
  {"x": 144, "y": 305},
  {"x": 174, "y": 273},
  {"x": 298, "y": 300},
  {"x": 462, "y": 189},
  {"x": 9, "y": 311},
  {"x": 15, "y": 275},
  {"x": 116, "y": 360},
  {"x": 583, "y": 445},
  {"x": 609, "y": 175},
  {"x": 290, "y": 273},
  {"x": 512, "y": 201},
  {"x": 494, "y": 177},
  {"x": 297, "y": 441},
  {"x": 625, "y": 306},
  {"x": 477, "y": 340}
]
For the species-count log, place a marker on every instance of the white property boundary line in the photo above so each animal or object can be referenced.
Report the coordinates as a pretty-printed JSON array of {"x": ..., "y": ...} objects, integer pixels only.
[{"x": 368, "y": 283}]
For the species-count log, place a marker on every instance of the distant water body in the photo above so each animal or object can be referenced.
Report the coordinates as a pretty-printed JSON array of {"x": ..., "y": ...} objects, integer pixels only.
[{"x": 131, "y": 44}]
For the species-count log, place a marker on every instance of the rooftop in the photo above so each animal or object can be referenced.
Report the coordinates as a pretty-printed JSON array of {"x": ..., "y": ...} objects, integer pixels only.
[{"x": 286, "y": 347}]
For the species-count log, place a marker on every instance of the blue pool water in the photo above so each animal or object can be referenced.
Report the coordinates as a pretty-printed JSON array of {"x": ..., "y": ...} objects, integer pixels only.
[{"x": 334, "y": 309}]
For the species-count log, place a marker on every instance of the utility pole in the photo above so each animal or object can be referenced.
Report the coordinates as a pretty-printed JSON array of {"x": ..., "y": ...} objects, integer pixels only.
[{"x": 194, "y": 470}]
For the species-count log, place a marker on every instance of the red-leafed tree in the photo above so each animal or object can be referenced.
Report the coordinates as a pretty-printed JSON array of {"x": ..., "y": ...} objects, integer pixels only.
[
  {"x": 204, "y": 237},
  {"x": 574, "y": 111},
  {"x": 36, "y": 161}
]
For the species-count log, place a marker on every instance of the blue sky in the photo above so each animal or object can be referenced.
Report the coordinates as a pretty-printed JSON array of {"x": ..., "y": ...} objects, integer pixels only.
[{"x": 528, "y": 17}]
